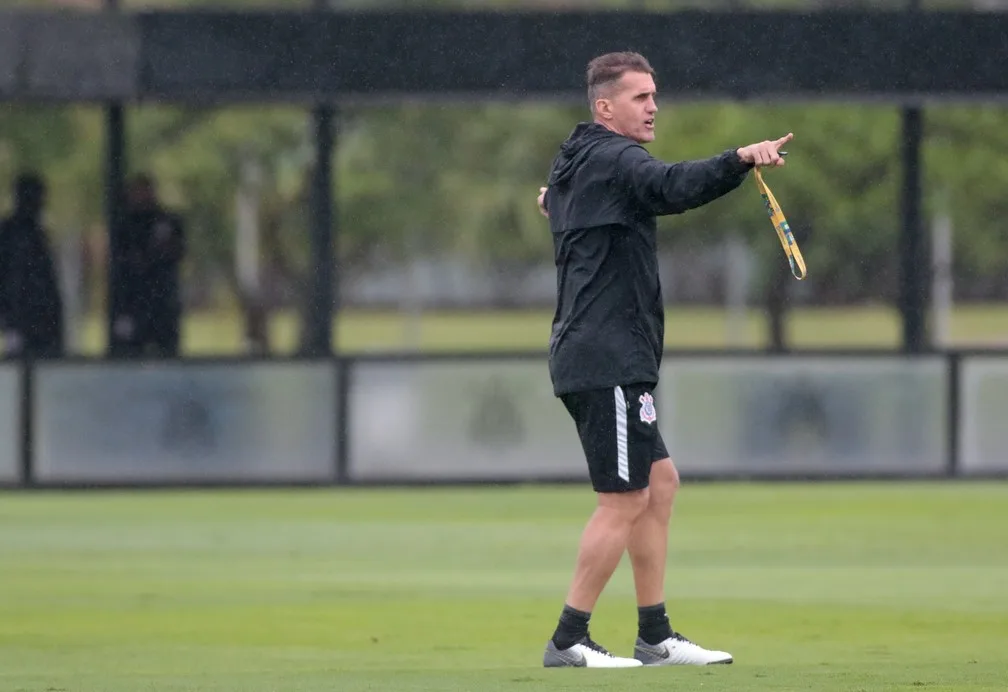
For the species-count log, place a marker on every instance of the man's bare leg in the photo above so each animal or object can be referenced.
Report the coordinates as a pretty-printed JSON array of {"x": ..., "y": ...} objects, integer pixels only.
[
  {"x": 648, "y": 544},
  {"x": 657, "y": 643},
  {"x": 603, "y": 542}
]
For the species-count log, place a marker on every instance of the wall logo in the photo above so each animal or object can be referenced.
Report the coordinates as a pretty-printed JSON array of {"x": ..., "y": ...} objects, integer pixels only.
[
  {"x": 188, "y": 425},
  {"x": 647, "y": 410},
  {"x": 805, "y": 420},
  {"x": 496, "y": 420}
]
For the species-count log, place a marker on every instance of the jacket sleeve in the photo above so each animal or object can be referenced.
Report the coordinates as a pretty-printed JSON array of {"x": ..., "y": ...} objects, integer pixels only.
[{"x": 673, "y": 188}]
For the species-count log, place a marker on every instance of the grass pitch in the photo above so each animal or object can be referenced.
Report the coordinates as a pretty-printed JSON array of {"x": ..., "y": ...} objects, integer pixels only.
[
  {"x": 356, "y": 331},
  {"x": 842, "y": 587}
]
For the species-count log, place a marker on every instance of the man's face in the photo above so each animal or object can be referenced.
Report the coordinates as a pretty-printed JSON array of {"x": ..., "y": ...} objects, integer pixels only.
[
  {"x": 140, "y": 196},
  {"x": 630, "y": 107}
]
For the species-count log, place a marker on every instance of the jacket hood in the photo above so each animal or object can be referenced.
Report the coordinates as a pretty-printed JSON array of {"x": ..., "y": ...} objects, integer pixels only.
[{"x": 575, "y": 150}]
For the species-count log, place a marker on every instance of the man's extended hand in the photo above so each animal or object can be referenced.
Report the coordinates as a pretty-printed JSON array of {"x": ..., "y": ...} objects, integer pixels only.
[
  {"x": 765, "y": 153},
  {"x": 541, "y": 201}
]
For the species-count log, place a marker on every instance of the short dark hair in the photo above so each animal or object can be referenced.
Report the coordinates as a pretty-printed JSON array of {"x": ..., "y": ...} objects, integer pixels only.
[
  {"x": 607, "y": 69},
  {"x": 141, "y": 179},
  {"x": 29, "y": 189}
]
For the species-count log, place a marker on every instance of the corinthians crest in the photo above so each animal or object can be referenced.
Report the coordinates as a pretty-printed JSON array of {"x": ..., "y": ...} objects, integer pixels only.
[{"x": 647, "y": 410}]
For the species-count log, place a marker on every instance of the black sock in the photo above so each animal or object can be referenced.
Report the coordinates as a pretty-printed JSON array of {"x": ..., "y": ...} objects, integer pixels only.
[
  {"x": 572, "y": 628},
  {"x": 653, "y": 624}
]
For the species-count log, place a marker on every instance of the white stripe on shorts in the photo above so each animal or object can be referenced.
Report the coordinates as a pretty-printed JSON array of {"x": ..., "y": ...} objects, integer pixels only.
[{"x": 622, "y": 458}]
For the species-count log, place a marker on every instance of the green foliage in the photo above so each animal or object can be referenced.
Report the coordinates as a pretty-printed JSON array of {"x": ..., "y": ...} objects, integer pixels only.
[
  {"x": 50, "y": 141},
  {"x": 840, "y": 185},
  {"x": 461, "y": 178},
  {"x": 967, "y": 170}
]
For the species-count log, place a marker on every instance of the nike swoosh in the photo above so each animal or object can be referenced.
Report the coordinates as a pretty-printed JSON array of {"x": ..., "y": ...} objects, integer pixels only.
[
  {"x": 656, "y": 651},
  {"x": 577, "y": 659}
]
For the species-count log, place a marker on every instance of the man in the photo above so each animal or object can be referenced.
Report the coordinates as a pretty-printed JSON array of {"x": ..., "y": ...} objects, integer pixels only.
[
  {"x": 31, "y": 306},
  {"x": 602, "y": 198},
  {"x": 148, "y": 252}
]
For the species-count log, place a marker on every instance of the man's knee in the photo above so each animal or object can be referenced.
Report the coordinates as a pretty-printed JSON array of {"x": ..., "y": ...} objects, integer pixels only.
[
  {"x": 664, "y": 483},
  {"x": 630, "y": 505}
]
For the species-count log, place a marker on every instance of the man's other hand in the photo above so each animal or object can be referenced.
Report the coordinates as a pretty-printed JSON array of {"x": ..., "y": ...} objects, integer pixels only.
[
  {"x": 541, "y": 201},
  {"x": 765, "y": 153}
]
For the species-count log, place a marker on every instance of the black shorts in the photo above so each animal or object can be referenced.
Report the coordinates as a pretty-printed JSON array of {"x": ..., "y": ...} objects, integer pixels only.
[{"x": 619, "y": 433}]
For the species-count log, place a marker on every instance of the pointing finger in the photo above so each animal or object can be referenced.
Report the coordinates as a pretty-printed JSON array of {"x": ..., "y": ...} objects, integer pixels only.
[{"x": 784, "y": 140}]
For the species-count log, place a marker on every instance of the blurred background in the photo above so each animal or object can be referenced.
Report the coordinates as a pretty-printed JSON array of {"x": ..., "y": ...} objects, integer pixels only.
[
  {"x": 280, "y": 281},
  {"x": 287, "y": 243}
]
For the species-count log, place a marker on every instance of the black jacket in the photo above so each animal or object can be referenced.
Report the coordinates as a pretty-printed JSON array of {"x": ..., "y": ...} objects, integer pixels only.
[
  {"x": 604, "y": 194},
  {"x": 149, "y": 250},
  {"x": 30, "y": 299}
]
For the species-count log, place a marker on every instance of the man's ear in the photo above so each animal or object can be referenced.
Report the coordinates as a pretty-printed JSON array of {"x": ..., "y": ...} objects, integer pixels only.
[{"x": 603, "y": 108}]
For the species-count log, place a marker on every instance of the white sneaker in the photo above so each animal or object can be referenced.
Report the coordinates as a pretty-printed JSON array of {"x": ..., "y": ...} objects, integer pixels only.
[
  {"x": 584, "y": 654},
  {"x": 677, "y": 650}
]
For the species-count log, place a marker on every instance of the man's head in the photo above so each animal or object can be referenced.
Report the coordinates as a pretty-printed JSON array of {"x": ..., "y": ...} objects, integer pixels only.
[
  {"x": 141, "y": 192},
  {"x": 621, "y": 92},
  {"x": 29, "y": 195}
]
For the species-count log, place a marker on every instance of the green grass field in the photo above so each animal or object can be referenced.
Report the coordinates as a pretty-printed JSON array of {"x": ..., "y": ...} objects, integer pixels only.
[
  {"x": 841, "y": 587},
  {"x": 215, "y": 333}
]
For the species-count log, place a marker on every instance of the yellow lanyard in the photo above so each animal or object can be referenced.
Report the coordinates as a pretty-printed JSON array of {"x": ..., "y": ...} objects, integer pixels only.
[{"x": 780, "y": 224}]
